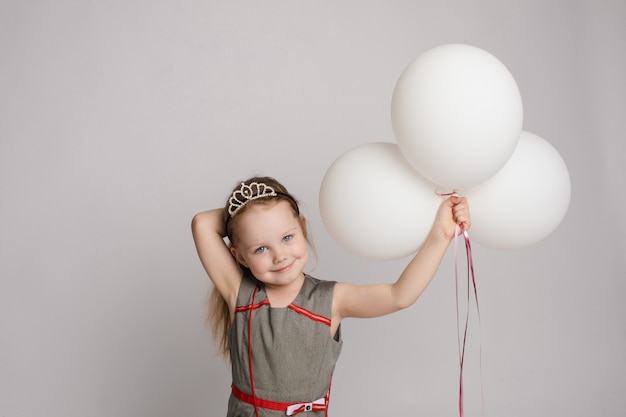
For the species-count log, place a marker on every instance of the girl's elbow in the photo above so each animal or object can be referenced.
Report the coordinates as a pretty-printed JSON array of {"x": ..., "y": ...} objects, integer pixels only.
[
  {"x": 403, "y": 299},
  {"x": 402, "y": 303}
]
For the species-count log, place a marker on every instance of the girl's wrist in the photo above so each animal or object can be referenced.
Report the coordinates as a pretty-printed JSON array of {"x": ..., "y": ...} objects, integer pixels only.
[{"x": 437, "y": 237}]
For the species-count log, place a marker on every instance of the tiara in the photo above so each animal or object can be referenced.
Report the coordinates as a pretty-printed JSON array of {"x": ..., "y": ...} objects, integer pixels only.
[{"x": 246, "y": 193}]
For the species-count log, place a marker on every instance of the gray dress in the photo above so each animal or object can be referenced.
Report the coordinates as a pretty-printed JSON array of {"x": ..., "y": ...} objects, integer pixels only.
[{"x": 292, "y": 351}]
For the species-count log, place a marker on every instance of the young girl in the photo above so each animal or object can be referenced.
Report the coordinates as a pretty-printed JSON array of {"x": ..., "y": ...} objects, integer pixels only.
[{"x": 280, "y": 326}]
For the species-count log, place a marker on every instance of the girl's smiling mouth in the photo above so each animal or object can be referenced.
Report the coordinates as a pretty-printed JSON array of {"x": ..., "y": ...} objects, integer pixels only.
[{"x": 284, "y": 268}]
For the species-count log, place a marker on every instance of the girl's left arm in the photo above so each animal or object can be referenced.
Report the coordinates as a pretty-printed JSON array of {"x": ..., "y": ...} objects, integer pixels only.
[{"x": 377, "y": 300}]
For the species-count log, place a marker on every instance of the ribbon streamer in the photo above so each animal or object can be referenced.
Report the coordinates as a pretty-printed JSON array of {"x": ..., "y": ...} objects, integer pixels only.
[{"x": 460, "y": 230}]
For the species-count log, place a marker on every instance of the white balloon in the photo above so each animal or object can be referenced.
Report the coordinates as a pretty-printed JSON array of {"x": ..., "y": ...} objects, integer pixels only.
[
  {"x": 457, "y": 115},
  {"x": 375, "y": 205},
  {"x": 525, "y": 201}
]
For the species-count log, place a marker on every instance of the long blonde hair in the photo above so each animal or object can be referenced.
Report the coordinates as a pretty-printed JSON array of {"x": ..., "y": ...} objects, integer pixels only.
[{"x": 218, "y": 317}]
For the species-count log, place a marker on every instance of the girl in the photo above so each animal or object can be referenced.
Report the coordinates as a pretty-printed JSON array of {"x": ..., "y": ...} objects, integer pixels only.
[{"x": 280, "y": 326}]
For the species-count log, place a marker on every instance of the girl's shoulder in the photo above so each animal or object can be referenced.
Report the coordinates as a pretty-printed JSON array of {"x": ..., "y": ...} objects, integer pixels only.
[
  {"x": 313, "y": 281},
  {"x": 317, "y": 291},
  {"x": 247, "y": 287}
]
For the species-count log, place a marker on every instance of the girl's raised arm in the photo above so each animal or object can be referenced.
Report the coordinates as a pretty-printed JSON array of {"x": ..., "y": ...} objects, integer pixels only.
[
  {"x": 208, "y": 234},
  {"x": 377, "y": 300}
]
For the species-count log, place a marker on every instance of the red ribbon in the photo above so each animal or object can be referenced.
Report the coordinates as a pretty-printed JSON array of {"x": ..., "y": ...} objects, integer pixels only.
[{"x": 460, "y": 230}]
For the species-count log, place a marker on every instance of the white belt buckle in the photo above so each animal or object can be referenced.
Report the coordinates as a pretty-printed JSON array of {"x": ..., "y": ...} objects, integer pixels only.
[{"x": 291, "y": 410}]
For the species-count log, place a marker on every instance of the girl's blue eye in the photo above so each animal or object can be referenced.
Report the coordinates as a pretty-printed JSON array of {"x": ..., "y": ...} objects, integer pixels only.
[
  {"x": 287, "y": 238},
  {"x": 260, "y": 250}
]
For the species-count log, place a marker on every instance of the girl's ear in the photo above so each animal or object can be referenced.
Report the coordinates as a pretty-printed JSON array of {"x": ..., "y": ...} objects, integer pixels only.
[
  {"x": 302, "y": 220},
  {"x": 238, "y": 257}
]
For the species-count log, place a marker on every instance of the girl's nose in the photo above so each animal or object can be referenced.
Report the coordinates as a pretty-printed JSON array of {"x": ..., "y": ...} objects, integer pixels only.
[{"x": 279, "y": 256}]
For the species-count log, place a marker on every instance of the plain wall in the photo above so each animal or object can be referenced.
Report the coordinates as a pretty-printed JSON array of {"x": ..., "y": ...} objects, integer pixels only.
[{"x": 119, "y": 120}]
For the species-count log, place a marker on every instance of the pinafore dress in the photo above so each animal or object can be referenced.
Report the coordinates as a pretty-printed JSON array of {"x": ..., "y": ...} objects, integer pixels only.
[{"x": 282, "y": 358}]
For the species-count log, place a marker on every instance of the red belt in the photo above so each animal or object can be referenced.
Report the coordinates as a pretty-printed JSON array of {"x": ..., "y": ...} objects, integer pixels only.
[{"x": 287, "y": 408}]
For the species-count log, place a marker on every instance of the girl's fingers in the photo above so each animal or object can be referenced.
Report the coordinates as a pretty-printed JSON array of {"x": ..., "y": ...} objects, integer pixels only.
[{"x": 460, "y": 211}]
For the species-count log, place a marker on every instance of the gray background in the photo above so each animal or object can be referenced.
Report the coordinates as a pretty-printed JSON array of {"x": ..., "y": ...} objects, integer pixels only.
[{"x": 119, "y": 120}]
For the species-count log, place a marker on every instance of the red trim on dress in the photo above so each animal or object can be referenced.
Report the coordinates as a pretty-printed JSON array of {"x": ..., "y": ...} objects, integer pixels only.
[
  {"x": 309, "y": 314},
  {"x": 249, "y": 307}
]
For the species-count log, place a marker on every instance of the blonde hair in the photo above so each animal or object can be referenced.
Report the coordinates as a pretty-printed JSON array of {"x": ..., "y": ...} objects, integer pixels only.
[{"x": 218, "y": 317}]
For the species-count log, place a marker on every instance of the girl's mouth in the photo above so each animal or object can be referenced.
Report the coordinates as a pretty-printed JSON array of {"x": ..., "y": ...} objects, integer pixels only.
[{"x": 284, "y": 268}]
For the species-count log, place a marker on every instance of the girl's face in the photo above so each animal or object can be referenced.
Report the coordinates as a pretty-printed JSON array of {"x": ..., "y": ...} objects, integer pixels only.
[{"x": 271, "y": 242}]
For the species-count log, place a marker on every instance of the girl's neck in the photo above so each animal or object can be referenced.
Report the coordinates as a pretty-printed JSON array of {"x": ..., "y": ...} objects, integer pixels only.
[{"x": 283, "y": 295}]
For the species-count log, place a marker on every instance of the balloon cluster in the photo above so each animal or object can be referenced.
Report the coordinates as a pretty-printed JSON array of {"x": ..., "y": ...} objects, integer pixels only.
[{"x": 457, "y": 114}]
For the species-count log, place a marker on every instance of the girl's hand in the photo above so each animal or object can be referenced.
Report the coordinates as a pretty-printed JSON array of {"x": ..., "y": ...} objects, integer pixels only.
[{"x": 452, "y": 212}]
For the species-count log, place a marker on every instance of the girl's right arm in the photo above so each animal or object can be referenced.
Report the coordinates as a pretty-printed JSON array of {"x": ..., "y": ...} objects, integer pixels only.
[{"x": 208, "y": 234}]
